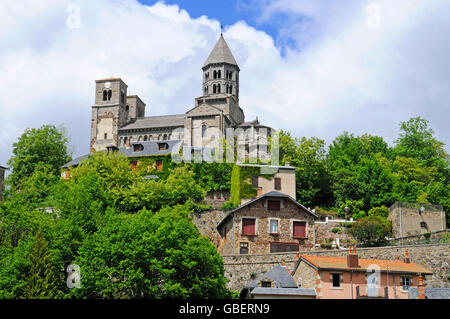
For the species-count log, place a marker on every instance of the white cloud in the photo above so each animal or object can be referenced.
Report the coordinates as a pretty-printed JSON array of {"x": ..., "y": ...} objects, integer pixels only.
[{"x": 339, "y": 75}]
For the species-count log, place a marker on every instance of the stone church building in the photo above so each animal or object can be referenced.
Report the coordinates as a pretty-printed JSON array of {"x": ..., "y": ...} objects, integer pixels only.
[{"x": 119, "y": 120}]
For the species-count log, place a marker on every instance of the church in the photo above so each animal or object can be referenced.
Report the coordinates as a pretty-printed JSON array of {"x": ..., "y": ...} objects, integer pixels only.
[{"x": 119, "y": 121}]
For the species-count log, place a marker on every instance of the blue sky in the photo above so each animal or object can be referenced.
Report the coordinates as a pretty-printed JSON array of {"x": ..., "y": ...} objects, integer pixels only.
[{"x": 312, "y": 67}]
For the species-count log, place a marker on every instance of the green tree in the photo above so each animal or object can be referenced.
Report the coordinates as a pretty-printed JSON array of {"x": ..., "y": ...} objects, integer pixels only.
[
  {"x": 381, "y": 211},
  {"x": 45, "y": 145},
  {"x": 372, "y": 230},
  {"x": 40, "y": 280},
  {"x": 148, "y": 255}
]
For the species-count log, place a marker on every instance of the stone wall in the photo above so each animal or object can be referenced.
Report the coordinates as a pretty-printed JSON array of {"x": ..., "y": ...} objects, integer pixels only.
[
  {"x": 207, "y": 221},
  {"x": 436, "y": 257},
  {"x": 324, "y": 233}
]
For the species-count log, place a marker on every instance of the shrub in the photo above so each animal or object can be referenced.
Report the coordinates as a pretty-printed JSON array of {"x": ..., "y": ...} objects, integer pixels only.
[
  {"x": 381, "y": 211},
  {"x": 427, "y": 235},
  {"x": 326, "y": 245},
  {"x": 336, "y": 230},
  {"x": 372, "y": 230}
]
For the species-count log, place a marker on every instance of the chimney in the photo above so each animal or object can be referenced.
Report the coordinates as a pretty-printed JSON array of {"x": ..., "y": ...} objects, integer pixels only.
[
  {"x": 406, "y": 259},
  {"x": 352, "y": 258},
  {"x": 421, "y": 288}
]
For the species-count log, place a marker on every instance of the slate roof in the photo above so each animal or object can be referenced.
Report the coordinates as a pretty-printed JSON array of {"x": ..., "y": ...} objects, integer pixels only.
[
  {"x": 3, "y": 167},
  {"x": 269, "y": 194},
  {"x": 150, "y": 148},
  {"x": 340, "y": 263},
  {"x": 221, "y": 54},
  {"x": 156, "y": 121},
  {"x": 431, "y": 293},
  {"x": 280, "y": 276},
  {"x": 284, "y": 291}
]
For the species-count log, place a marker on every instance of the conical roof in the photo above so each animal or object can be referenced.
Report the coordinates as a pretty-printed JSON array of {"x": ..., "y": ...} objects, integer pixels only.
[{"x": 221, "y": 53}]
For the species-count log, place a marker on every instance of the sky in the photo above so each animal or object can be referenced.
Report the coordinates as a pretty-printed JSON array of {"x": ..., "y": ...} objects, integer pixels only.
[{"x": 312, "y": 67}]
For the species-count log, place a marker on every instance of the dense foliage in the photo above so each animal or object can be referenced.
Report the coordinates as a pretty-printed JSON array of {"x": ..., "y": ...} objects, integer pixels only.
[{"x": 131, "y": 236}]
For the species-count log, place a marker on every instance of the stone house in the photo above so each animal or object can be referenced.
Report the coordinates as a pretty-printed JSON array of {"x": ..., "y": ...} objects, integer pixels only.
[
  {"x": 272, "y": 222},
  {"x": 412, "y": 219},
  {"x": 354, "y": 278},
  {"x": 2, "y": 181}
]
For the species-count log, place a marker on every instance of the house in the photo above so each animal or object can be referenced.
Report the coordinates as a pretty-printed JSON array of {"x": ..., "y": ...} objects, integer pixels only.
[
  {"x": 353, "y": 278},
  {"x": 276, "y": 283},
  {"x": 412, "y": 219},
  {"x": 270, "y": 223},
  {"x": 283, "y": 180},
  {"x": 2, "y": 181}
]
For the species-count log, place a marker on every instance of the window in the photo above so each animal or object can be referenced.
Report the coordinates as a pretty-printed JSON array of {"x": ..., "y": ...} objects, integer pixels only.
[
  {"x": 105, "y": 95},
  {"x": 336, "y": 280},
  {"x": 273, "y": 204},
  {"x": 163, "y": 146},
  {"x": 423, "y": 224},
  {"x": 277, "y": 182},
  {"x": 283, "y": 247},
  {"x": 159, "y": 165},
  {"x": 218, "y": 88},
  {"x": 273, "y": 226},
  {"x": 406, "y": 283},
  {"x": 299, "y": 229},
  {"x": 219, "y": 75},
  {"x": 255, "y": 181},
  {"x": 243, "y": 248},
  {"x": 109, "y": 95},
  {"x": 145, "y": 138},
  {"x": 138, "y": 148},
  {"x": 214, "y": 88},
  {"x": 203, "y": 131},
  {"x": 122, "y": 97},
  {"x": 248, "y": 226},
  {"x": 231, "y": 89},
  {"x": 106, "y": 136},
  {"x": 266, "y": 284}
]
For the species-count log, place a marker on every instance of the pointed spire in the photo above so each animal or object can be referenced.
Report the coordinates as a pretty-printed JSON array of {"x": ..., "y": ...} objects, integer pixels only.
[{"x": 221, "y": 53}]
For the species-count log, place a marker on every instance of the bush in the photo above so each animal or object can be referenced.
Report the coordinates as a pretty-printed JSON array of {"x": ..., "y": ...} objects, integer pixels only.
[
  {"x": 336, "y": 230},
  {"x": 326, "y": 245},
  {"x": 372, "y": 230},
  {"x": 381, "y": 211}
]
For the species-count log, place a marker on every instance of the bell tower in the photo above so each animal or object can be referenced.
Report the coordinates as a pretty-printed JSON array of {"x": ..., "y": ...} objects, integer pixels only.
[
  {"x": 221, "y": 72},
  {"x": 109, "y": 113}
]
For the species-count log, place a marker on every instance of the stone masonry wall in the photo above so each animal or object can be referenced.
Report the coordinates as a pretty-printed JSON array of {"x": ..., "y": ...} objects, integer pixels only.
[{"x": 436, "y": 257}]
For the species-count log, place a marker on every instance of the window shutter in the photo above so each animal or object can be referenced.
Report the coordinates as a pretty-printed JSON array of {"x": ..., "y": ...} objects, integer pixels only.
[
  {"x": 248, "y": 226},
  {"x": 300, "y": 229},
  {"x": 277, "y": 183}
]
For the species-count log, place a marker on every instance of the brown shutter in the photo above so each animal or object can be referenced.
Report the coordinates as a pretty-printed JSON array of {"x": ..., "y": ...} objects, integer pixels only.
[
  {"x": 277, "y": 183},
  {"x": 248, "y": 226},
  {"x": 300, "y": 229}
]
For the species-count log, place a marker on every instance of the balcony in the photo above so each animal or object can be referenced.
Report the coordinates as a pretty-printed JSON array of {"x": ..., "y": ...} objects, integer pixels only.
[{"x": 367, "y": 292}]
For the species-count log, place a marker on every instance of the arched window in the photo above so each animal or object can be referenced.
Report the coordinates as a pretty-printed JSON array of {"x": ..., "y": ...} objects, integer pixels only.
[
  {"x": 109, "y": 95},
  {"x": 230, "y": 75},
  {"x": 218, "y": 88},
  {"x": 105, "y": 95},
  {"x": 203, "y": 130},
  {"x": 127, "y": 108},
  {"x": 165, "y": 137},
  {"x": 106, "y": 136},
  {"x": 145, "y": 138},
  {"x": 214, "y": 88},
  {"x": 219, "y": 74},
  {"x": 125, "y": 140},
  {"x": 215, "y": 74},
  {"x": 231, "y": 89}
]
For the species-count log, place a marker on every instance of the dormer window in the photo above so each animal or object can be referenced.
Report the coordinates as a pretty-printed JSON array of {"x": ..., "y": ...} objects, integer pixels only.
[
  {"x": 138, "y": 148},
  {"x": 163, "y": 146}
]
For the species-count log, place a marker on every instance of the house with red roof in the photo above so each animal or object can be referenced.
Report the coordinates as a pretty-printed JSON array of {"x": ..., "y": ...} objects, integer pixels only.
[{"x": 352, "y": 277}]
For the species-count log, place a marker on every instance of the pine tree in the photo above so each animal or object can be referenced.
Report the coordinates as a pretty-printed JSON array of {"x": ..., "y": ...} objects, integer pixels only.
[{"x": 40, "y": 281}]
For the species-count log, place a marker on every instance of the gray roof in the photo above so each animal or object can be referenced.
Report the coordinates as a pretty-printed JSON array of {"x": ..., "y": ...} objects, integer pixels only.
[
  {"x": 76, "y": 161},
  {"x": 269, "y": 194},
  {"x": 431, "y": 293},
  {"x": 269, "y": 166},
  {"x": 279, "y": 274},
  {"x": 150, "y": 148},
  {"x": 3, "y": 167},
  {"x": 221, "y": 54},
  {"x": 284, "y": 291},
  {"x": 156, "y": 121}
]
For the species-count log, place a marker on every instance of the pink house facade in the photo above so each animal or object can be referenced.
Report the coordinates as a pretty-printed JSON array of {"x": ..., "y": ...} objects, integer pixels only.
[{"x": 353, "y": 278}]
